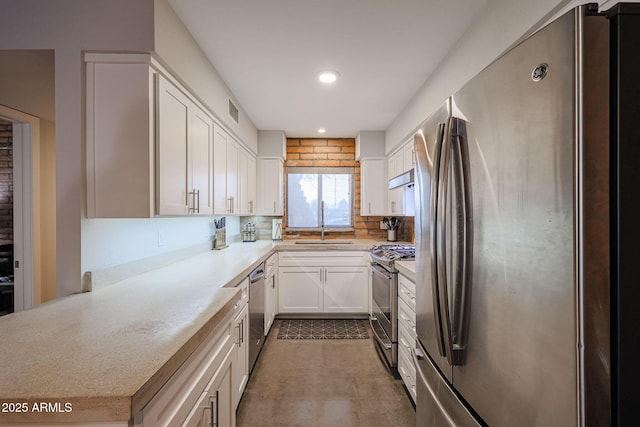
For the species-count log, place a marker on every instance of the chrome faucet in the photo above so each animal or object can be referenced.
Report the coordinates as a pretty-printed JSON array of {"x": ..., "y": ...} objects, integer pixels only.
[{"x": 321, "y": 220}]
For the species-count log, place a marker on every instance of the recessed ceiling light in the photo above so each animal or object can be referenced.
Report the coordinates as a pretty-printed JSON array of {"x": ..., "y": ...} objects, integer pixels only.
[
  {"x": 322, "y": 130},
  {"x": 328, "y": 76}
]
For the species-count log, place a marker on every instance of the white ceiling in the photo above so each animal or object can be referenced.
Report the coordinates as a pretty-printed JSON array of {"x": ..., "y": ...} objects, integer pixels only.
[{"x": 269, "y": 53}]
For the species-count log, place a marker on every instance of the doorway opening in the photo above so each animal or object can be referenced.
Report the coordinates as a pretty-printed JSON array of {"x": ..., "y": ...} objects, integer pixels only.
[{"x": 6, "y": 218}]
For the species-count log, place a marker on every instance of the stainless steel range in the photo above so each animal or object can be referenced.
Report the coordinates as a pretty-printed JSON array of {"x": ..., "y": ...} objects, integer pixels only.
[{"x": 384, "y": 292}]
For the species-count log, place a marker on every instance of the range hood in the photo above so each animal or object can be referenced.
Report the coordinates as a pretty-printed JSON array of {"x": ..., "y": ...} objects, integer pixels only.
[{"x": 403, "y": 179}]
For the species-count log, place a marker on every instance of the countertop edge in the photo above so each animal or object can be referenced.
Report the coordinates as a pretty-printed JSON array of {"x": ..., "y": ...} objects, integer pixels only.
[{"x": 145, "y": 394}]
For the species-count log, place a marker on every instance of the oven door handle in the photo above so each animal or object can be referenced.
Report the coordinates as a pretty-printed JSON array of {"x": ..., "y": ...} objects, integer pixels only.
[
  {"x": 379, "y": 271},
  {"x": 385, "y": 343}
]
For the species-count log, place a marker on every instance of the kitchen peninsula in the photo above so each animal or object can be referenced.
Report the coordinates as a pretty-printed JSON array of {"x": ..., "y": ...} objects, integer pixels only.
[{"x": 102, "y": 356}]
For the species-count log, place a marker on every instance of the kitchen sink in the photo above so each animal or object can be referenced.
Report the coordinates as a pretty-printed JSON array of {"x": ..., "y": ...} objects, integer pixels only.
[{"x": 323, "y": 242}]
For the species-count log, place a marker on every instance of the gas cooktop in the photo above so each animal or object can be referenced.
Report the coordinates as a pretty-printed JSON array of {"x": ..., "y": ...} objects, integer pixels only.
[{"x": 388, "y": 253}]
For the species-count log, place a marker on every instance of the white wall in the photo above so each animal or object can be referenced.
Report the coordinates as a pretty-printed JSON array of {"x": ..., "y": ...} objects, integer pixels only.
[
  {"x": 178, "y": 51},
  {"x": 501, "y": 24},
  {"x": 118, "y": 241},
  {"x": 27, "y": 81},
  {"x": 69, "y": 27}
]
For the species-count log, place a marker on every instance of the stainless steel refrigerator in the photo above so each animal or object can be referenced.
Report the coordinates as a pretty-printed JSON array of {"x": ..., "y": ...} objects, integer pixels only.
[{"x": 513, "y": 236}]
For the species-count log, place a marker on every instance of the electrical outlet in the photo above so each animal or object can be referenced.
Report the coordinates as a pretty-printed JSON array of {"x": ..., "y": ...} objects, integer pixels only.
[{"x": 383, "y": 226}]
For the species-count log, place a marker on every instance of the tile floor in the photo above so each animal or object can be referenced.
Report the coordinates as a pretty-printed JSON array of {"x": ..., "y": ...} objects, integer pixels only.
[{"x": 322, "y": 383}]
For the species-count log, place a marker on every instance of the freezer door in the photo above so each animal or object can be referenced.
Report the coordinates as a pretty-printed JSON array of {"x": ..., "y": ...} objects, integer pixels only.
[
  {"x": 521, "y": 356},
  {"x": 428, "y": 144},
  {"x": 437, "y": 405}
]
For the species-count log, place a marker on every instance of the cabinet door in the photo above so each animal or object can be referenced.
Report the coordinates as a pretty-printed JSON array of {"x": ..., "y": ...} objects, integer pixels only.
[
  {"x": 395, "y": 201},
  {"x": 345, "y": 290},
  {"x": 270, "y": 303},
  {"x": 233, "y": 172},
  {"x": 220, "y": 202},
  {"x": 407, "y": 154},
  {"x": 120, "y": 139},
  {"x": 200, "y": 162},
  {"x": 199, "y": 415},
  {"x": 240, "y": 369},
  {"x": 217, "y": 408},
  {"x": 247, "y": 182},
  {"x": 251, "y": 184},
  {"x": 270, "y": 176},
  {"x": 373, "y": 187},
  {"x": 222, "y": 392},
  {"x": 173, "y": 112},
  {"x": 395, "y": 166},
  {"x": 300, "y": 289}
]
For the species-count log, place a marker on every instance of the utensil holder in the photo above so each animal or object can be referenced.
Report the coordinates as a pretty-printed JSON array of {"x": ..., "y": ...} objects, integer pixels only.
[
  {"x": 220, "y": 240},
  {"x": 391, "y": 236}
]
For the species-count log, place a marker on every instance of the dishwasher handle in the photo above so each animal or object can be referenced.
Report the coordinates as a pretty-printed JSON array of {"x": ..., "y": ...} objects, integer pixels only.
[{"x": 257, "y": 274}]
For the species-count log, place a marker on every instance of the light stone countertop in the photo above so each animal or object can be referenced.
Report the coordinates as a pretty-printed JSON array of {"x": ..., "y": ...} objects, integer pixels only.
[
  {"x": 407, "y": 269},
  {"x": 354, "y": 245},
  {"x": 108, "y": 352}
]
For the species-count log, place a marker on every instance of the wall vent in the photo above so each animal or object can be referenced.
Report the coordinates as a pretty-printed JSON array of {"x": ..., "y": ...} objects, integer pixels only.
[{"x": 233, "y": 112}]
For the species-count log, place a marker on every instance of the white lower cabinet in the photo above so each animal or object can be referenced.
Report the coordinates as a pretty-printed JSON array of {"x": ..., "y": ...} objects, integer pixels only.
[
  {"x": 240, "y": 372},
  {"x": 200, "y": 392},
  {"x": 300, "y": 289},
  {"x": 345, "y": 290},
  {"x": 215, "y": 406},
  {"x": 321, "y": 282},
  {"x": 407, "y": 332},
  {"x": 270, "y": 293}
]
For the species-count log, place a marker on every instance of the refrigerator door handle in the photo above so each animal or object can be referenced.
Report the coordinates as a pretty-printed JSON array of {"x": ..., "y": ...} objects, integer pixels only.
[
  {"x": 454, "y": 171},
  {"x": 433, "y": 225},
  {"x": 441, "y": 247},
  {"x": 464, "y": 242}
]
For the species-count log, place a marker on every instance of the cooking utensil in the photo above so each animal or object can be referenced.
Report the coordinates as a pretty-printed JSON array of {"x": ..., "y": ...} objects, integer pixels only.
[
  {"x": 385, "y": 221},
  {"x": 395, "y": 223}
]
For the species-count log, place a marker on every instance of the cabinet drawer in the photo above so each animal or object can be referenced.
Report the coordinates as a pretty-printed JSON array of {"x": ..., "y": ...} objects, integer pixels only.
[
  {"x": 244, "y": 294},
  {"x": 271, "y": 264},
  {"x": 406, "y": 341},
  {"x": 408, "y": 373},
  {"x": 407, "y": 291},
  {"x": 322, "y": 258},
  {"x": 407, "y": 318}
]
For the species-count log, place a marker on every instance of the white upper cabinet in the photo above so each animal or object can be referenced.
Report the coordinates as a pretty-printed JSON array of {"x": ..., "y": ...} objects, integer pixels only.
[
  {"x": 270, "y": 186},
  {"x": 173, "y": 132},
  {"x": 395, "y": 166},
  {"x": 407, "y": 156},
  {"x": 234, "y": 176},
  {"x": 200, "y": 162},
  {"x": 400, "y": 200},
  {"x": 184, "y": 154},
  {"x": 394, "y": 197},
  {"x": 373, "y": 186},
  {"x": 151, "y": 146},
  {"x": 120, "y": 124},
  {"x": 226, "y": 160},
  {"x": 247, "y": 182}
]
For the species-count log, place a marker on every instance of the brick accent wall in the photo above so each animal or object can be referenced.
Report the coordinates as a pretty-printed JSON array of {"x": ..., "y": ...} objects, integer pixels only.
[
  {"x": 312, "y": 152},
  {"x": 6, "y": 182}
]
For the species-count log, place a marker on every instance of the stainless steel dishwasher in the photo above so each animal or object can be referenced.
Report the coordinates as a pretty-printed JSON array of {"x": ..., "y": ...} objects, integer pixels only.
[{"x": 256, "y": 313}]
